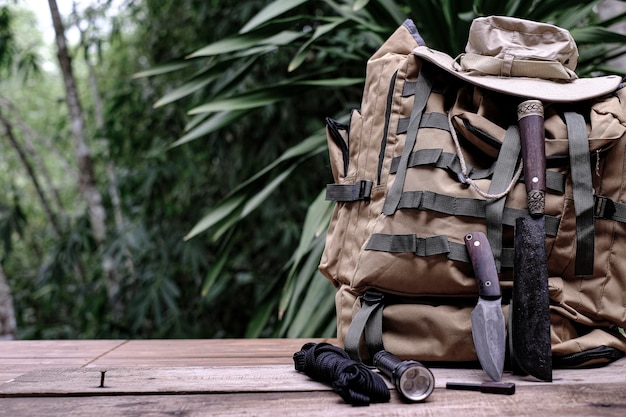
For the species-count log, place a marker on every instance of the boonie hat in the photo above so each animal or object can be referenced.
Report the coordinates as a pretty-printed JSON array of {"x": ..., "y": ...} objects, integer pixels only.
[{"x": 522, "y": 58}]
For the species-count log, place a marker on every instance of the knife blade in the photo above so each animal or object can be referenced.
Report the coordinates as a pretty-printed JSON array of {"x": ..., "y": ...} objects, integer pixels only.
[
  {"x": 488, "y": 328},
  {"x": 530, "y": 345}
]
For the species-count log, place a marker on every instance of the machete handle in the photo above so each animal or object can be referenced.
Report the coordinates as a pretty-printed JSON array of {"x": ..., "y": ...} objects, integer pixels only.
[
  {"x": 484, "y": 265},
  {"x": 530, "y": 118}
]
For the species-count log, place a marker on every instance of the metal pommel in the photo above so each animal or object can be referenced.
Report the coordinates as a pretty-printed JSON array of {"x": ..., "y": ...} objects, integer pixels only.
[{"x": 529, "y": 108}]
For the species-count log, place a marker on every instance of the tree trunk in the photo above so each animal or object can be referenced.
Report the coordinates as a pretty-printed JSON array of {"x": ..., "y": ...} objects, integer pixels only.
[
  {"x": 8, "y": 326},
  {"x": 86, "y": 178},
  {"x": 52, "y": 219}
]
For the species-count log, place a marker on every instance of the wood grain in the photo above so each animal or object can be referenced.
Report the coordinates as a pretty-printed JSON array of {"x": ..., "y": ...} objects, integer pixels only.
[{"x": 561, "y": 401}]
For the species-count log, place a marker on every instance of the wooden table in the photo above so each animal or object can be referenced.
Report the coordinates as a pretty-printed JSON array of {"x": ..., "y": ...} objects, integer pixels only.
[{"x": 255, "y": 378}]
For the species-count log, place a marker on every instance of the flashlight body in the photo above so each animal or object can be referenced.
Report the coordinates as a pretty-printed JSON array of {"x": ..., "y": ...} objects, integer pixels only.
[{"x": 414, "y": 381}]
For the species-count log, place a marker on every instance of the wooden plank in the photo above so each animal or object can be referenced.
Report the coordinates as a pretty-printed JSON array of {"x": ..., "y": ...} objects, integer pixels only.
[
  {"x": 205, "y": 352},
  {"x": 20, "y": 356},
  {"x": 148, "y": 380},
  {"x": 257, "y": 378},
  {"x": 530, "y": 401}
]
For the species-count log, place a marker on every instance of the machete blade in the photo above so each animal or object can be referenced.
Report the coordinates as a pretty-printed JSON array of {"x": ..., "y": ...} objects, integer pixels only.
[
  {"x": 530, "y": 309},
  {"x": 488, "y": 328}
]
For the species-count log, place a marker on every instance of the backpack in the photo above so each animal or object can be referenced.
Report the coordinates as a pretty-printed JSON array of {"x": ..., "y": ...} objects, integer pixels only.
[{"x": 394, "y": 246}]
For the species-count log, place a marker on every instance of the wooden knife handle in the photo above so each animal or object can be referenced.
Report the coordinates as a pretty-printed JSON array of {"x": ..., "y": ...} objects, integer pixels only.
[
  {"x": 532, "y": 134},
  {"x": 484, "y": 265}
]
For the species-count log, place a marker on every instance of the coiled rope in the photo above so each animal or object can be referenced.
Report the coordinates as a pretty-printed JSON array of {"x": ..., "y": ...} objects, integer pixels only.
[{"x": 352, "y": 380}]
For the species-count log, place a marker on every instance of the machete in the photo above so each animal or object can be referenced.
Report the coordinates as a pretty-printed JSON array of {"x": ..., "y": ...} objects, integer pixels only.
[
  {"x": 488, "y": 328},
  {"x": 530, "y": 342}
]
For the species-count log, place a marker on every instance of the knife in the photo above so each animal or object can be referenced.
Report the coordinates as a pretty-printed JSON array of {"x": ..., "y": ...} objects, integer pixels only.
[
  {"x": 488, "y": 329},
  {"x": 530, "y": 342}
]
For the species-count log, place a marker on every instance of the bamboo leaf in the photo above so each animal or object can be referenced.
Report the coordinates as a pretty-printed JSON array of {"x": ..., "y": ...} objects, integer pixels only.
[
  {"x": 316, "y": 220},
  {"x": 242, "y": 102},
  {"x": 319, "y": 302},
  {"x": 214, "y": 123},
  {"x": 595, "y": 34},
  {"x": 162, "y": 69},
  {"x": 215, "y": 271},
  {"x": 183, "y": 91},
  {"x": 216, "y": 215},
  {"x": 319, "y": 32},
  {"x": 261, "y": 196},
  {"x": 259, "y": 321},
  {"x": 359, "y": 4},
  {"x": 270, "y": 11},
  {"x": 310, "y": 146},
  {"x": 332, "y": 82},
  {"x": 245, "y": 41}
]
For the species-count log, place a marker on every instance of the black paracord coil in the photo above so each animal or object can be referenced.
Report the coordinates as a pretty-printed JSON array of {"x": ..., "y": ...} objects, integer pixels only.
[{"x": 352, "y": 380}]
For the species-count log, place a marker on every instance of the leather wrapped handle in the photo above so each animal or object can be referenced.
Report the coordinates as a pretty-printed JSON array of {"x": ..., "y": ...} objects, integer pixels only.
[
  {"x": 484, "y": 265},
  {"x": 532, "y": 134}
]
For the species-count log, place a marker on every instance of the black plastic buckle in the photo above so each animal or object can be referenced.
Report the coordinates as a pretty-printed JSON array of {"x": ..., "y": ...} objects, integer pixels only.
[
  {"x": 372, "y": 297},
  {"x": 604, "y": 207},
  {"x": 362, "y": 190}
]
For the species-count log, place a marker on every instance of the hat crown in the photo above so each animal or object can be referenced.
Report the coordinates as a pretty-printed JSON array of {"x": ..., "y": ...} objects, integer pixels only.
[{"x": 513, "y": 38}]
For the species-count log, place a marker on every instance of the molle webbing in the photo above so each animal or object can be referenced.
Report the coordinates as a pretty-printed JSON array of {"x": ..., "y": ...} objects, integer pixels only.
[
  {"x": 429, "y": 120},
  {"x": 359, "y": 191},
  {"x": 428, "y": 246},
  {"x": 555, "y": 181},
  {"x": 423, "y": 90},
  {"x": 580, "y": 165},
  {"x": 502, "y": 177}
]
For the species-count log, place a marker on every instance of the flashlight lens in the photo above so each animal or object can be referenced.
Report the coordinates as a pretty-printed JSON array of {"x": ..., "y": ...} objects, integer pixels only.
[{"x": 416, "y": 383}]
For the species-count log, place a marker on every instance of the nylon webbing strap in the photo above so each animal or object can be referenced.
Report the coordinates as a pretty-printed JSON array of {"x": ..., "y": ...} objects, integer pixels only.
[
  {"x": 430, "y": 246},
  {"x": 471, "y": 207},
  {"x": 429, "y": 120},
  {"x": 359, "y": 191},
  {"x": 371, "y": 311},
  {"x": 605, "y": 208},
  {"x": 580, "y": 166},
  {"x": 502, "y": 176},
  {"x": 422, "y": 92},
  {"x": 555, "y": 181},
  {"x": 409, "y": 88}
]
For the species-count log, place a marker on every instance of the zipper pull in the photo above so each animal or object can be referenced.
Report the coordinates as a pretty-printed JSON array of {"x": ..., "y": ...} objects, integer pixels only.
[{"x": 598, "y": 162}]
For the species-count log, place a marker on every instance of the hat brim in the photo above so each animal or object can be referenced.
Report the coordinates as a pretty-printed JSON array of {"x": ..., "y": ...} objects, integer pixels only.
[{"x": 534, "y": 88}]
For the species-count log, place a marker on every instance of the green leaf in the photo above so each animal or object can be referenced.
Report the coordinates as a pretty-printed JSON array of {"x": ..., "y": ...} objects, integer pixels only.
[
  {"x": 319, "y": 32},
  {"x": 216, "y": 215},
  {"x": 594, "y": 34},
  {"x": 297, "y": 281},
  {"x": 242, "y": 102},
  {"x": 214, "y": 123},
  {"x": 162, "y": 69},
  {"x": 259, "y": 321},
  {"x": 332, "y": 82},
  {"x": 270, "y": 11},
  {"x": 359, "y": 4},
  {"x": 315, "y": 223},
  {"x": 261, "y": 196},
  {"x": 312, "y": 145},
  {"x": 183, "y": 91},
  {"x": 216, "y": 270},
  {"x": 245, "y": 41}
]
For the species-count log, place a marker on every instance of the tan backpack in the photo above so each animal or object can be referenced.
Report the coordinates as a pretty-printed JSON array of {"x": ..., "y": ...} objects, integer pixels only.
[{"x": 394, "y": 246}]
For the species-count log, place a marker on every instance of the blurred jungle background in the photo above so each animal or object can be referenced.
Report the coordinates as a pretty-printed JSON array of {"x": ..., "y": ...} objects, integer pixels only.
[{"x": 163, "y": 161}]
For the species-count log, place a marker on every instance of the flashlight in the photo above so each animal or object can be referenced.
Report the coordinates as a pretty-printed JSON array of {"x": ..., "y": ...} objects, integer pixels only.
[{"x": 412, "y": 379}]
